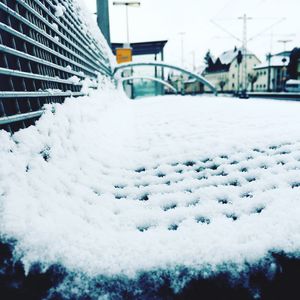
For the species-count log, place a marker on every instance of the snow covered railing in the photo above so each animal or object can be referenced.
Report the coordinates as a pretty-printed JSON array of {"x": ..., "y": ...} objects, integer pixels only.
[
  {"x": 46, "y": 52},
  {"x": 165, "y": 83}
]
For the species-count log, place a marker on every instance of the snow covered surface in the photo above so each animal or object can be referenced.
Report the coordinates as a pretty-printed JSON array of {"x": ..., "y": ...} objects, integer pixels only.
[
  {"x": 276, "y": 61},
  {"x": 228, "y": 56},
  {"x": 108, "y": 186},
  {"x": 59, "y": 10},
  {"x": 90, "y": 26}
]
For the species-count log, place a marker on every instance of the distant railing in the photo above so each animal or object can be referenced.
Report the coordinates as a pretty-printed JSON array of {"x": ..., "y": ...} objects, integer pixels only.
[
  {"x": 197, "y": 77},
  {"x": 45, "y": 54}
]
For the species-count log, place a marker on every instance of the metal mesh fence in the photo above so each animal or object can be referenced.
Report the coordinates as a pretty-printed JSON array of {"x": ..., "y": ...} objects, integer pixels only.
[{"x": 40, "y": 52}]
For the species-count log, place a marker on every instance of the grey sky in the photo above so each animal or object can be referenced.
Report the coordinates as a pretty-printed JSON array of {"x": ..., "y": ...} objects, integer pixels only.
[{"x": 164, "y": 19}]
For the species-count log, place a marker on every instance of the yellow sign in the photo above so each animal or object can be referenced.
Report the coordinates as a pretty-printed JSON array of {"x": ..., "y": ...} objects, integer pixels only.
[{"x": 124, "y": 55}]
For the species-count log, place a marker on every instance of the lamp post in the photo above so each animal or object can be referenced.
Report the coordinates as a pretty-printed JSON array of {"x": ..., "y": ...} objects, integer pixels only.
[
  {"x": 127, "y": 4},
  {"x": 284, "y": 60},
  {"x": 182, "y": 34}
]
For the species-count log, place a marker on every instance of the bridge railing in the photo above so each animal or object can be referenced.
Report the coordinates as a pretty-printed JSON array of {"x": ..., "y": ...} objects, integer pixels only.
[{"x": 45, "y": 54}]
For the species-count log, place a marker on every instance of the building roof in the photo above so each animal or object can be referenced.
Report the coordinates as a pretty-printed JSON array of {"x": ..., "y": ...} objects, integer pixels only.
[
  {"x": 143, "y": 48},
  {"x": 228, "y": 57},
  {"x": 223, "y": 62},
  {"x": 276, "y": 61}
]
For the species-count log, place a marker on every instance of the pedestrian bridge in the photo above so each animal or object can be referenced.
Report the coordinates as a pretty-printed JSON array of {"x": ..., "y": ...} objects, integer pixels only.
[{"x": 133, "y": 65}]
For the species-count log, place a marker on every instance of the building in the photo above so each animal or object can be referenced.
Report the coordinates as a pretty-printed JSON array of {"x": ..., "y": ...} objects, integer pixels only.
[
  {"x": 272, "y": 73},
  {"x": 293, "y": 68},
  {"x": 226, "y": 73},
  {"x": 185, "y": 84}
]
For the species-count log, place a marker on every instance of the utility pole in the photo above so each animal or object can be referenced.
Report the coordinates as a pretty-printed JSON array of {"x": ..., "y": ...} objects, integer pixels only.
[
  {"x": 182, "y": 34},
  {"x": 284, "y": 42},
  {"x": 284, "y": 60},
  {"x": 269, "y": 57},
  {"x": 127, "y": 4},
  {"x": 194, "y": 60},
  {"x": 245, "y": 19},
  {"x": 245, "y": 40}
]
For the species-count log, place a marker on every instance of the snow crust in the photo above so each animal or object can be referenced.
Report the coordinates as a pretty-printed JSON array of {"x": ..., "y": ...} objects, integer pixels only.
[
  {"x": 276, "y": 61},
  {"x": 59, "y": 10},
  {"x": 104, "y": 185},
  {"x": 228, "y": 56},
  {"x": 90, "y": 26}
]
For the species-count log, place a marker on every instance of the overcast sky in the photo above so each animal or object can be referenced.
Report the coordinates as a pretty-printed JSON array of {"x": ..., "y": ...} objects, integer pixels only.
[{"x": 165, "y": 19}]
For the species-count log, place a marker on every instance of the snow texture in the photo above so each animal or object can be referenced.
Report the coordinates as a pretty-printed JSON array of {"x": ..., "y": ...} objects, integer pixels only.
[
  {"x": 59, "y": 10},
  {"x": 275, "y": 61},
  {"x": 56, "y": 38},
  {"x": 228, "y": 56},
  {"x": 55, "y": 26},
  {"x": 106, "y": 186},
  {"x": 74, "y": 79}
]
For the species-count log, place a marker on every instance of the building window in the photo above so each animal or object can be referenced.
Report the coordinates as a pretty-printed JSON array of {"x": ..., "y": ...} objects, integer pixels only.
[
  {"x": 233, "y": 75},
  {"x": 233, "y": 85}
]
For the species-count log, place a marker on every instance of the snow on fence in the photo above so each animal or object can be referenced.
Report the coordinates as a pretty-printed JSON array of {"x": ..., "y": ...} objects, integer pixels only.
[{"x": 45, "y": 55}]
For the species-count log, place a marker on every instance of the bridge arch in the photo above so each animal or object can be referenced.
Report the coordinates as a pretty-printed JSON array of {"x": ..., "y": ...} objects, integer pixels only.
[
  {"x": 164, "y": 65},
  {"x": 121, "y": 80}
]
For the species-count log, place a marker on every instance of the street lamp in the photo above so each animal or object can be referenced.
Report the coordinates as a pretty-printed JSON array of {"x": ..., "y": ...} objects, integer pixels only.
[
  {"x": 127, "y": 4},
  {"x": 182, "y": 34},
  {"x": 284, "y": 60}
]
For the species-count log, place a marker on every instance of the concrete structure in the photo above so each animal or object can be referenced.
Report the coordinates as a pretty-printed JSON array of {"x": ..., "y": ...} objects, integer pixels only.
[
  {"x": 226, "y": 74},
  {"x": 103, "y": 18}
]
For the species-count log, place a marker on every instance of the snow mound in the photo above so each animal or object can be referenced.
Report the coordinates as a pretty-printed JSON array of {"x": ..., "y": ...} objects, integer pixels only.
[{"x": 108, "y": 186}]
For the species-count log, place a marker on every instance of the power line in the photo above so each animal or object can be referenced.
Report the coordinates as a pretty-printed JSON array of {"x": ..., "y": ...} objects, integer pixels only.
[
  {"x": 225, "y": 30},
  {"x": 266, "y": 29}
]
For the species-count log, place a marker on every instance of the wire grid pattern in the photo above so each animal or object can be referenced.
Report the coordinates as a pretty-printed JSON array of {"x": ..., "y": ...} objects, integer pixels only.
[{"x": 39, "y": 53}]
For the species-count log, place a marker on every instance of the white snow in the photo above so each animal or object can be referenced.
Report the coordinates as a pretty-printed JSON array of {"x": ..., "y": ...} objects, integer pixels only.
[
  {"x": 54, "y": 26},
  {"x": 74, "y": 79},
  {"x": 102, "y": 184},
  {"x": 59, "y": 10},
  {"x": 68, "y": 68},
  {"x": 228, "y": 56},
  {"x": 275, "y": 61},
  {"x": 56, "y": 38},
  {"x": 90, "y": 27}
]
